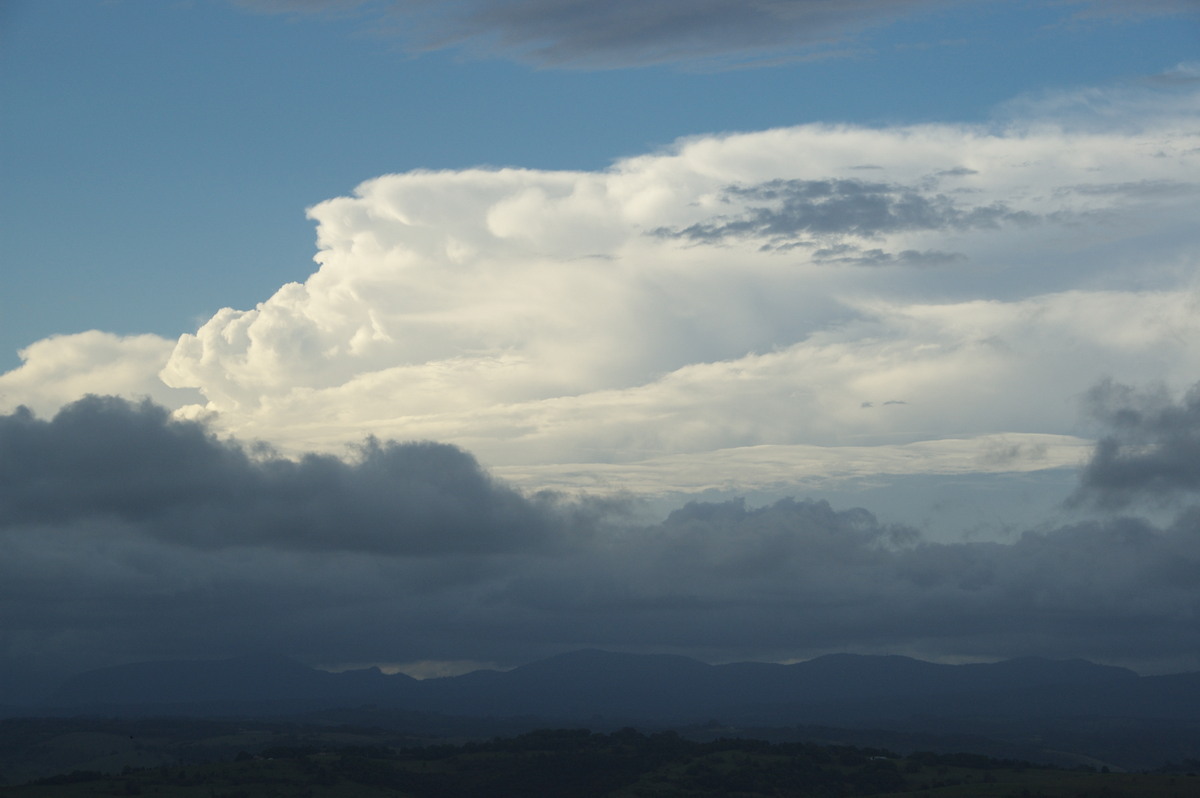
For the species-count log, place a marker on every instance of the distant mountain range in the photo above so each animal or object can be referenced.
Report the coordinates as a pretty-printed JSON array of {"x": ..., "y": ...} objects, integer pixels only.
[
  {"x": 842, "y": 689},
  {"x": 1067, "y": 712}
]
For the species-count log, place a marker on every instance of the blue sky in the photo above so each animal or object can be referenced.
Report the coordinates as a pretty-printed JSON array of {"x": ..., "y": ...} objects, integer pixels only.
[{"x": 936, "y": 260}]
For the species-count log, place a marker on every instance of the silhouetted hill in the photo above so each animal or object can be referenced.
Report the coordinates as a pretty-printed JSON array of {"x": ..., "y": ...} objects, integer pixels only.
[
  {"x": 836, "y": 689},
  {"x": 843, "y": 687},
  {"x": 1029, "y": 705},
  {"x": 581, "y": 684}
]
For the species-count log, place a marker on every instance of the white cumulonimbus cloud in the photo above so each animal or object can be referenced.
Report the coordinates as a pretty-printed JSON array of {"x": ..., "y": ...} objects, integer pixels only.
[
  {"x": 814, "y": 285},
  {"x": 844, "y": 287}
]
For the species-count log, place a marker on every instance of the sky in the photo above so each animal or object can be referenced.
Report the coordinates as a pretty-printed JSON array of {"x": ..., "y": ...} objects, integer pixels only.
[{"x": 443, "y": 335}]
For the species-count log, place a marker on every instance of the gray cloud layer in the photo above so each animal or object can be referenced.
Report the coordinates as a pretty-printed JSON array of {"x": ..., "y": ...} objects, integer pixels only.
[
  {"x": 1152, "y": 451},
  {"x": 624, "y": 33},
  {"x": 127, "y": 536},
  {"x": 789, "y": 213},
  {"x": 621, "y": 33}
]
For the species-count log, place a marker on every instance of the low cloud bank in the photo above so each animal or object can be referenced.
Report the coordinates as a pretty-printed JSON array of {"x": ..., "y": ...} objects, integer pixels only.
[{"x": 129, "y": 536}]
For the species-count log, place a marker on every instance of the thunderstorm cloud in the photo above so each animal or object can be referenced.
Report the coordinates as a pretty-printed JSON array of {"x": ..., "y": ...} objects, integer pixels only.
[
  {"x": 725, "y": 295},
  {"x": 357, "y": 468}
]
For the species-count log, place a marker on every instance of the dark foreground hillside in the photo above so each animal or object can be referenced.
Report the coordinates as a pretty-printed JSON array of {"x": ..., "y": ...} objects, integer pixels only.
[{"x": 624, "y": 764}]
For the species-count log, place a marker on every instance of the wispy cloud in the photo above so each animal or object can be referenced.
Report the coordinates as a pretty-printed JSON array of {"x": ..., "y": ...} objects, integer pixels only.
[{"x": 1118, "y": 10}]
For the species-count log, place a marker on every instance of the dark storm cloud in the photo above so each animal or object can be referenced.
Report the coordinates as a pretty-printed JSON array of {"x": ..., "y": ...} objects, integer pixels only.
[
  {"x": 794, "y": 212},
  {"x": 126, "y": 536},
  {"x": 1151, "y": 450},
  {"x": 723, "y": 579},
  {"x": 103, "y": 459},
  {"x": 623, "y": 33}
]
